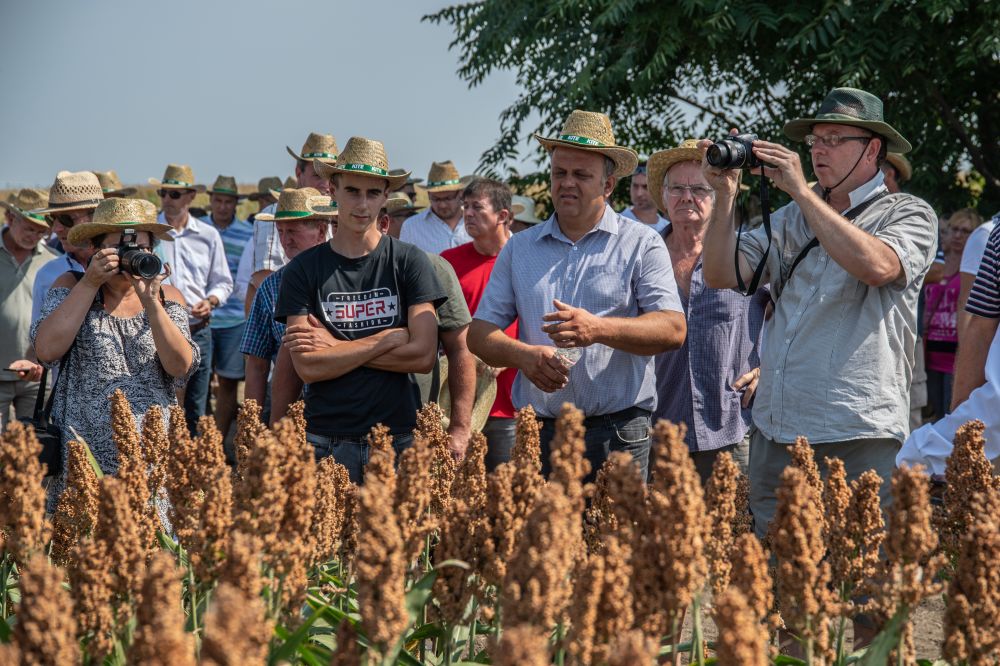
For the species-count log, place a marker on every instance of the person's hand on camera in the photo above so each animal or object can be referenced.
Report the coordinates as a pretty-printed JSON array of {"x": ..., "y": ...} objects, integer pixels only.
[
  {"x": 103, "y": 266},
  {"x": 725, "y": 182},
  {"x": 148, "y": 289},
  {"x": 786, "y": 170},
  {"x": 27, "y": 371}
]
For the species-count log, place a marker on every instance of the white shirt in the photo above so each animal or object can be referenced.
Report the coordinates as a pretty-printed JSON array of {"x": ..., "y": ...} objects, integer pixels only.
[
  {"x": 268, "y": 255},
  {"x": 931, "y": 444},
  {"x": 432, "y": 234},
  {"x": 44, "y": 278},
  {"x": 972, "y": 255},
  {"x": 197, "y": 258},
  {"x": 660, "y": 224}
]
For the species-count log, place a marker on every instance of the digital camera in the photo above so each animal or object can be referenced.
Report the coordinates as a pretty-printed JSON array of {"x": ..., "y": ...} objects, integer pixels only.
[
  {"x": 733, "y": 152},
  {"x": 134, "y": 260}
]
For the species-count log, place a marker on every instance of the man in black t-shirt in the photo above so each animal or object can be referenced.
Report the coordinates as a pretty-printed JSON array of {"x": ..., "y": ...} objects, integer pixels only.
[{"x": 360, "y": 316}]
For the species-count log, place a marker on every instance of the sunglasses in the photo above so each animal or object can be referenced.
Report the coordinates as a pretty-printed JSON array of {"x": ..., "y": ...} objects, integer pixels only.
[{"x": 173, "y": 194}]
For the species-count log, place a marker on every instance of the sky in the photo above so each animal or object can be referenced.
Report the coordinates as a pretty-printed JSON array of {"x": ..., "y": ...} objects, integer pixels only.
[{"x": 225, "y": 85}]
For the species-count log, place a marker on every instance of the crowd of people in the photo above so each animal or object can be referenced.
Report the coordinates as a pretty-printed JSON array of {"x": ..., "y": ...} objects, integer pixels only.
[{"x": 852, "y": 316}]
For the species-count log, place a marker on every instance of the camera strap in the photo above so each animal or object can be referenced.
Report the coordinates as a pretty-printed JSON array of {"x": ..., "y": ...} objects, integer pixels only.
[{"x": 765, "y": 212}]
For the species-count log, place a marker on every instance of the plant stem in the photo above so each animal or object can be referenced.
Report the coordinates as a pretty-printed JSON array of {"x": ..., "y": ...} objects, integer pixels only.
[
  {"x": 674, "y": 657},
  {"x": 449, "y": 643},
  {"x": 697, "y": 647},
  {"x": 472, "y": 627},
  {"x": 4, "y": 594},
  {"x": 560, "y": 650}
]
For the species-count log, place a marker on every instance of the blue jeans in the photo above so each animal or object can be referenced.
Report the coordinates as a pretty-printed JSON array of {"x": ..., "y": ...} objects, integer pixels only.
[
  {"x": 226, "y": 349},
  {"x": 500, "y": 435},
  {"x": 196, "y": 395},
  {"x": 627, "y": 430},
  {"x": 353, "y": 451}
]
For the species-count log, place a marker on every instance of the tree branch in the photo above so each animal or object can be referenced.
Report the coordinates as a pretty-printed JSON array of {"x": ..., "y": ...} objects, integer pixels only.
[
  {"x": 671, "y": 92},
  {"x": 956, "y": 125}
]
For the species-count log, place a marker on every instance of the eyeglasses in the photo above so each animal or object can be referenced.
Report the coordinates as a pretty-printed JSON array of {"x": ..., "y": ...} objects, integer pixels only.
[
  {"x": 69, "y": 219},
  {"x": 173, "y": 194},
  {"x": 697, "y": 191},
  {"x": 833, "y": 140}
]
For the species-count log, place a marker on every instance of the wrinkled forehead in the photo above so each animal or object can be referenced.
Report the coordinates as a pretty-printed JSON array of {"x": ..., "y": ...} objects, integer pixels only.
[
  {"x": 572, "y": 158},
  {"x": 687, "y": 172}
]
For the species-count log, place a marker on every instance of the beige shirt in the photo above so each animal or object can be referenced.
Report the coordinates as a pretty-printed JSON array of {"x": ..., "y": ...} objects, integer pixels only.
[
  {"x": 16, "y": 282},
  {"x": 837, "y": 359}
]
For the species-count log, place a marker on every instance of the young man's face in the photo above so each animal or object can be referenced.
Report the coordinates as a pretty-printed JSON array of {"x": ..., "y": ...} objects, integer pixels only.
[
  {"x": 639, "y": 192},
  {"x": 299, "y": 235},
  {"x": 359, "y": 200},
  {"x": 223, "y": 207},
  {"x": 481, "y": 219},
  {"x": 446, "y": 205},
  {"x": 579, "y": 188}
]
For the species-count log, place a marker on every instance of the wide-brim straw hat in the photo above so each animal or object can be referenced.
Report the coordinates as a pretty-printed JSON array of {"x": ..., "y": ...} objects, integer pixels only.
[
  {"x": 902, "y": 166},
  {"x": 227, "y": 186},
  {"x": 26, "y": 203},
  {"x": 112, "y": 186},
  {"x": 399, "y": 202},
  {"x": 523, "y": 209},
  {"x": 177, "y": 177},
  {"x": 304, "y": 203},
  {"x": 591, "y": 131},
  {"x": 317, "y": 147},
  {"x": 410, "y": 180},
  {"x": 485, "y": 396},
  {"x": 266, "y": 187},
  {"x": 362, "y": 157},
  {"x": 116, "y": 215},
  {"x": 443, "y": 177},
  {"x": 73, "y": 191},
  {"x": 850, "y": 106},
  {"x": 659, "y": 164}
]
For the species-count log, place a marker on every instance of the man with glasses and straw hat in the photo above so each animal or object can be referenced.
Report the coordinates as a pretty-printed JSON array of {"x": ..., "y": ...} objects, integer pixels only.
[
  {"x": 360, "y": 316},
  {"x": 845, "y": 261},
  {"x": 23, "y": 253},
  {"x": 197, "y": 259},
  {"x": 439, "y": 227},
  {"x": 595, "y": 299}
]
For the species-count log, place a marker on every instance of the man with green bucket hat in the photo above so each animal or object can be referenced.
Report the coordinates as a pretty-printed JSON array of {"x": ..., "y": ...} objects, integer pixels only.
[{"x": 845, "y": 261}]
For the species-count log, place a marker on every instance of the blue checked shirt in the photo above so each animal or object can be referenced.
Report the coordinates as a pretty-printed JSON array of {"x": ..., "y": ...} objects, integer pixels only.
[
  {"x": 234, "y": 239},
  {"x": 262, "y": 335},
  {"x": 621, "y": 268}
]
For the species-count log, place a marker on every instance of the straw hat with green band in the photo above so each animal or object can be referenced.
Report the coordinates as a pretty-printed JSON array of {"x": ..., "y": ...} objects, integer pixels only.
[
  {"x": 399, "y": 202},
  {"x": 443, "y": 177},
  {"x": 27, "y": 204},
  {"x": 177, "y": 177},
  {"x": 112, "y": 186},
  {"x": 590, "y": 131},
  {"x": 364, "y": 157},
  {"x": 660, "y": 162},
  {"x": 901, "y": 165},
  {"x": 304, "y": 203},
  {"x": 269, "y": 186},
  {"x": 226, "y": 185},
  {"x": 73, "y": 191},
  {"x": 850, "y": 106},
  {"x": 409, "y": 181},
  {"x": 115, "y": 215},
  {"x": 317, "y": 147}
]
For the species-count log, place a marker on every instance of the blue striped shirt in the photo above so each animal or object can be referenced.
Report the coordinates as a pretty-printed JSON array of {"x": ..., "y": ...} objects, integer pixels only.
[
  {"x": 234, "y": 239},
  {"x": 262, "y": 335},
  {"x": 984, "y": 299},
  {"x": 621, "y": 268}
]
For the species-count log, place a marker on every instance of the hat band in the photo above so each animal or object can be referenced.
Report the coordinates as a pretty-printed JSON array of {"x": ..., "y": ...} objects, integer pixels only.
[
  {"x": 36, "y": 217},
  {"x": 330, "y": 156},
  {"x": 367, "y": 168},
  {"x": 224, "y": 190},
  {"x": 171, "y": 181},
  {"x": 582, "y": 140},
  {"x": 282, "y": 214},
  {"x": 85, "y": 202},
  {"x": 439, "y": 183}
]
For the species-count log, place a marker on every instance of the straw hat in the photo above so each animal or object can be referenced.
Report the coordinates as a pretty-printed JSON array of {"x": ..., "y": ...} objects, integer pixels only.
[
  {"x": 26, "y": 203},
  {"x": 485, "y": 396},
  {"x": 523, "y": 209},
  {"x": 590, "y": 131},
  {"x": 113, "y": 215},
  {"x": 73, "y": 191},
  {"x": 177, "y": 177},
  {"x": 902, "y": 166},
  {"x": 265, "y": 187},
  {"x": 363, "y": 157},
  {"x": 289, "y": 182},
  {"x": 443, "y": 177},
  {"x": 659, "y": 164},
  {"x": 317, "y": 147},
  {"x": 305, "y": 203},
  {"x": 410, "y": 180},
  {"x": 400, "y": 202},
  {"x": 226, "y": 185},
  {"x": 112, "y": 186},
  {"x": 850, "y": 106}
]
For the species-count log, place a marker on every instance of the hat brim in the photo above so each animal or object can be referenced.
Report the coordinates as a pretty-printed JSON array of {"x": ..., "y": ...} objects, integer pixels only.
[
  {"x": 324, "y": 217},
  {"x": 659, "y": 164},
  {"x": 444, "y": 188},
  {"x": 26, "y": 214},
  {"x": 123, "y": 192},
  {"x": 625, "y": 159},
  {"x": 81, "y": 233},
  {"x": 166, "y": 186},
  {"x": 797, "y": 129},
  {"x": 901, "y": 165},
  {"x": 256, "y": 196},
  {"x": 57, "y": 210},
  {"x": 239, "y": 197},
  {"x": 328, "y": 171}
]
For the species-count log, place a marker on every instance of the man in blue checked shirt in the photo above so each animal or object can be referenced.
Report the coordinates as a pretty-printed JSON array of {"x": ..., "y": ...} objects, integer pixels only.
[{"x": 596, "y": 299}]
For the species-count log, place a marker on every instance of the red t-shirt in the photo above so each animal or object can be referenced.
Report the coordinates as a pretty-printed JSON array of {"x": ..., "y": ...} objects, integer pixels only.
[{"x": 474, "y": 270}]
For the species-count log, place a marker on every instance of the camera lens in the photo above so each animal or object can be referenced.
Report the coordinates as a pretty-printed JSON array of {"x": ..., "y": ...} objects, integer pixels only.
[
  {"x": 718, "y": 154},
  {"x": 141, "y": 264}
]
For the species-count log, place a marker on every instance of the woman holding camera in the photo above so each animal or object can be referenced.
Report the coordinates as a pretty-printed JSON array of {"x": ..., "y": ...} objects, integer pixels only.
[{"x": 109, "y": 329}]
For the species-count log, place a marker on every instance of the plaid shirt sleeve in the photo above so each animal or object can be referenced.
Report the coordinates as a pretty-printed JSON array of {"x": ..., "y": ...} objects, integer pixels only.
[{"x": 259, "y": 335}]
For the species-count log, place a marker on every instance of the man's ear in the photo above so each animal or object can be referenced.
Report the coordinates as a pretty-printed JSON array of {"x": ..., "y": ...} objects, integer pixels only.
[{"x": 609, "y": 186}]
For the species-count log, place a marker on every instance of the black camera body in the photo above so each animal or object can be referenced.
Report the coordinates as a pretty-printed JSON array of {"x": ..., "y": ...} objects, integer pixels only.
[
  {"x": 134, "y": 260},
  {"x": 733, "y": 152}
]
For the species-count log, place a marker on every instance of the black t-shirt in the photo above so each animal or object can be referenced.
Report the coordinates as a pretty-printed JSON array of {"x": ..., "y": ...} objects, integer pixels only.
[{"x": 355, "y": 298}]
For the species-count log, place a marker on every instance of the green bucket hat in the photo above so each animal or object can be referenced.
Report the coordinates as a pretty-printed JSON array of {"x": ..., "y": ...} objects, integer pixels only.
[{"x": 850, "y": 106}]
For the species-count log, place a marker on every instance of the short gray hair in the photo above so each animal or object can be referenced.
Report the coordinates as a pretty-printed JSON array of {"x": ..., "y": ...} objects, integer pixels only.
[{"x": 609, "y": 167}]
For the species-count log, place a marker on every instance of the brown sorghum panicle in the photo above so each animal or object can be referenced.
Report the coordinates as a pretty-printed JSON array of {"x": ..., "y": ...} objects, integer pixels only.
[
  {"x": 349, "y": 535},
  {"x": 750, "y": 575},
  {"x": 865, "y": 530},
  {"x": 569, "y": 466},
  {"x": 522, "y": 645},
  {"x": 237, "y": 630},
  {"x": 332, "y": 481},
  {"x": 122, "y": 540},
  {"x": 208, "y": 504},
  {"x": 124, "y": 431},
  {"x": 77, "y": 508},
  {"x": 160, "y": 639},
  {"x": 804, "y": 458},
  {"x": 470, "y": 484},
  {"x": 968, "y": 472},
  {"x": 457, "y": 542},
  {"x": 45, "y": 631},
  {"x": 347, "y": 652},
  {"x": 504, "y": 524},
  {"x": 603, "y": 608},
  {"x": 527, "y": 451},
  {"x": 155, "y": 448},
  {"x": 443, "y": 464},
  {"x": 588, "y": 584},
  {"x": 743, "y": 522},
  {"x": 380, "y": 561},
  {"x": 720, "y": 498},
  {"x": 133, "y": 469},
  {"x": 911, "y": 541},
  {"x": 413, "y": 495},
  {"x": 243, "y": 564},
  {"x": 633, "y": 648},
  {"x": 22, "y": 498},
  {"x": 972, "y": 617},
  {"x": 742, "y": 640},
  {"x": 297, "y": 414},
  {"x": 248, "y": 426},
  {"x": 626, "y": 491},
  {"x": 259, "y": 495},
  {"x": 836, "y": 501},
  {"x": 294, "y": 548},
  {"x": 93, "y": 585}
]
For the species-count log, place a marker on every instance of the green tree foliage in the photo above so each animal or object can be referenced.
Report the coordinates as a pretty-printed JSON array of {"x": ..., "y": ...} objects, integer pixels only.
[{"x": 664, "y": 71}]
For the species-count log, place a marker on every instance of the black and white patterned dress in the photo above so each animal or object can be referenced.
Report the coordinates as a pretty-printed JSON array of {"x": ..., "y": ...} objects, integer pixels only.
[{"x": 110, "y": 353}]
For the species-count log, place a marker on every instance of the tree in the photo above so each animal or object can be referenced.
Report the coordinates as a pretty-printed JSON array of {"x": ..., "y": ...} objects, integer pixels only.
[{"x": 664, "y": 71}]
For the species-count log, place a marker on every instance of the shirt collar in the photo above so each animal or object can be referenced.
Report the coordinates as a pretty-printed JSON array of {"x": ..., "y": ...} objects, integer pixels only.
[
  {"x": 189, "y": 228},
  {"x": 609, "y": 223},
  {"x": 869, "y": 189}
]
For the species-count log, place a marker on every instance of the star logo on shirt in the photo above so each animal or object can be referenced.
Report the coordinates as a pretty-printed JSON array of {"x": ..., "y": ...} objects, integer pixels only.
[{"x": 392, "y": 307}]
